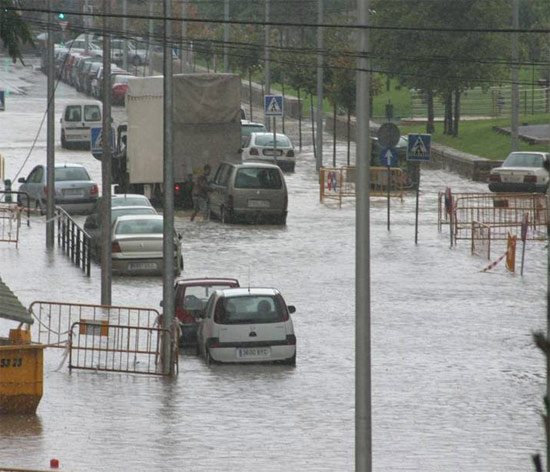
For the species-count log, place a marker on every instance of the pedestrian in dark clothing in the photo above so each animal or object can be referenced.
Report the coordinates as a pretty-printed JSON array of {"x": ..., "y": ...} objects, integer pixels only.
[{"x": 200, "y": 193}]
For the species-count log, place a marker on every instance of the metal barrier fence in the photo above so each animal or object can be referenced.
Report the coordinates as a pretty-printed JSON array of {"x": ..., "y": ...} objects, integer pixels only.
[
  {"x": 10, "y": 221},
  {"x": 74, "y": 241},
  {"x": 6, "y": 196},
  {"x": 338, "y": 183},
  {"x": 102, "y": 346},
  {"x": 503, "y": 212},
  {"x": 54, "y": 319},
  {"x": 481, "y": 240}
]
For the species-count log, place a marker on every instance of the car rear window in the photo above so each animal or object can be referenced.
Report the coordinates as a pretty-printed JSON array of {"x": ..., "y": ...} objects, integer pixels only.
[
  {"x": 139, "y": 227},
  {"x": 247, "y": 129},
  {"x": 64, "y": 174},
  {"x": 92, "y": 113},
  {"x": 249, "y": 309},
  {"x": 257, "y": 177},
  {"x": 523, "y": 160},
  {"x": 115, "y": 213},
  {"x": 267, "y": 140}
]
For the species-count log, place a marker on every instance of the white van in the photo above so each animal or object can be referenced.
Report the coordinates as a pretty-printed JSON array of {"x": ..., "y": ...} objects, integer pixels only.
[{"x": 76, "y": 120}]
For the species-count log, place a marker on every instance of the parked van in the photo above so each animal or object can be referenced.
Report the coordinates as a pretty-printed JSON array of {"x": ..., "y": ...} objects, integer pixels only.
[
  {"x": 76, "y": 120},
  {"x": 250, "y": 191}
]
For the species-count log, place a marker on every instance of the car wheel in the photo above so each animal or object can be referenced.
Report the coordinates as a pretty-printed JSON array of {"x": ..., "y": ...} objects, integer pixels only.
[
  {"x": 63, "y": 140},
  {"x": 207, "y": 357},
  {"x": 225, "y": 216},
  {"x": 281, "y": 220},
  {"x": 291, "y": 361},
  {"x": 291, "y": 167}
]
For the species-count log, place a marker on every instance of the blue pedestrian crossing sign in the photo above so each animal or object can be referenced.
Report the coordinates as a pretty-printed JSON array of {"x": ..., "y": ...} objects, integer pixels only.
[
  {"x": 388, "y": 157},
  {"x": 418, "y": 148},
  {"x": 2, "y": 100},
  {"x": 96, "y": 141},
  {"x": 273, "y": 105}
]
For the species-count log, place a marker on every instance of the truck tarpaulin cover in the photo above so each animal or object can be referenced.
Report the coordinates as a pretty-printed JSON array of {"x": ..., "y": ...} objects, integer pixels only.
[
  {"x": 11, "y": 308},
  {"x": 206, "y": 124}
]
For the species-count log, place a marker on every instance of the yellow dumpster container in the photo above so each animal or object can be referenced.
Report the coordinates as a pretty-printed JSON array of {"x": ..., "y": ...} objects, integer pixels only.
[{"x": 21, "y": 362}]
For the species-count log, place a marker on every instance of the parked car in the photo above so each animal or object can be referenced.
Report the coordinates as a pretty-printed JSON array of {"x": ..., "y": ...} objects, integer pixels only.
[
  {"x": 191, "y": 296},
  {"x": 262, "y": 147},
  {"x": 94, "y": 223},
  {"x": 96, "y": 86},
  {"x": 247, "y": 325},
  {"x": 521, "y": 172},
  {"x": 82, "y": 71},
  {"x": 89, "y": 76},
  {"x": 250, "y": 191},
  {"x": 137, "y": 242},
  {"x": 75, "y": 191},
  {"x": 249, "y": 127},
  {"x": 76, "y": 119}
]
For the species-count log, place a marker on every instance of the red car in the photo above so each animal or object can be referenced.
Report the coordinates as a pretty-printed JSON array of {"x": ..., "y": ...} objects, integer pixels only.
[
  {"x": 191, "y": 296},
  {"x": 119, "y": 88}
]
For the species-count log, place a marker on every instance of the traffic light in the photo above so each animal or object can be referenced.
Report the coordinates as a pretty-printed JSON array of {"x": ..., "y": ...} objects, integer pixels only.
[{"x": 61, "y": 15}]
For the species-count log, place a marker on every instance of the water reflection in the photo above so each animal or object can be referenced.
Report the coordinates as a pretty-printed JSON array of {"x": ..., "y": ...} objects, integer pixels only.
[{"x": 20, "y": 426}]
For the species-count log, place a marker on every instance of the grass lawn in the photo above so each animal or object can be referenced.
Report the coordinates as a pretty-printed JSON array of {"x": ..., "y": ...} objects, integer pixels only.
[{"x": 477, "y": 136}]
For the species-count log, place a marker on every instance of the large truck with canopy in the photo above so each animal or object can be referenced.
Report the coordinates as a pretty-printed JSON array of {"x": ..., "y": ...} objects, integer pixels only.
[{"x": 206, "y": 130}]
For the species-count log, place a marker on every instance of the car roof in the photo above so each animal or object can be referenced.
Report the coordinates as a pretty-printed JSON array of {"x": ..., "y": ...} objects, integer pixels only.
[
  {"x": 133, "y": 207},
  {"x": 267, "y": 133},
  {"x": 83, "y": 102},
  {"x": 252, "y": 123},
  {"x": 253, "y": 164},
  {"x": 66, "y": 164},
  {"x": 205, "y": 280},
  {"x": 244, "y": 291},
  {"x": 139, "y": 217}
]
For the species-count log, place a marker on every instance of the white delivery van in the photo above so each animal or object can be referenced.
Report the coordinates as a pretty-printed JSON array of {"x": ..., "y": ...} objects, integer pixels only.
[{"x": 77, "y": 118}]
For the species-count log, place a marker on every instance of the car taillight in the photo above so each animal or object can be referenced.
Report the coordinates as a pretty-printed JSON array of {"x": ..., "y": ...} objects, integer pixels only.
[
  {"x": 177, "y": 188},
  {"x": 291, "y": 339},
  {"x": 229, "y": 202},
  {"x": 494, "y": 178},
  {"x": 115, "y": 247},
  {"x": 254, "y": 152},
  {"x": 94, "y": 189},
  {"x": 530, "y": 179},
  {"x": 290, "y": 153}
]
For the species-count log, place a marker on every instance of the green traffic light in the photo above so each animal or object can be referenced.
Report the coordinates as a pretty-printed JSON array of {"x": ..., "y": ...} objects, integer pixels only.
[{"x": 61, "y": 16}]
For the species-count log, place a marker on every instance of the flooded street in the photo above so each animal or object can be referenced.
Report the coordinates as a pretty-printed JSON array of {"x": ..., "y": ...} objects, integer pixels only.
[{"x": 456, "y": 380}]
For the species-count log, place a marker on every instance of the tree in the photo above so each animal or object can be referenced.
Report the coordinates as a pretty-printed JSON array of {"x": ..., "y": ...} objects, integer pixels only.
[{"x": 14, "y": 31}]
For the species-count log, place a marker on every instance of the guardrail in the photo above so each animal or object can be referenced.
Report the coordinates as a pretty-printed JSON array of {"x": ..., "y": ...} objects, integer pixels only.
[
  {"x": 74, "y": 241},
  {"x": 339, "y": 183},
  {"x": 6, "y": 196},
  {"x": 10, "y": 221}
]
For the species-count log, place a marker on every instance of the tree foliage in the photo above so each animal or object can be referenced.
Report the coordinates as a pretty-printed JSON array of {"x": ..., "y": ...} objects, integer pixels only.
[{"x": 14, "y": 31}]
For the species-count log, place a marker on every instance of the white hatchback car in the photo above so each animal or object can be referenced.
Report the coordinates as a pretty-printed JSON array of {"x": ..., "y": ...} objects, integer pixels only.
[
  {"x": 263, "y": 148},
  {"x": 247, "y": 325}
]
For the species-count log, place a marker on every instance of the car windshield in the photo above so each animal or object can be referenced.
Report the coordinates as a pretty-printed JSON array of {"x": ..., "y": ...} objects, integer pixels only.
[
  {"x": 116, "y": 212},
  {"x": 267, "y": 140},
  {"x": 249, "y": 309},
  {"x": 139, "y": 226},
  {"x": 523, "y": 160},
  {"x": 258, "y": 177},
  {"x": 64, "y": 174}
]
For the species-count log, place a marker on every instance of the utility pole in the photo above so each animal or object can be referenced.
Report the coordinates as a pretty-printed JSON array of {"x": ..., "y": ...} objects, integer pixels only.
[
  {"x": 319, "y": 137},
  {"x": 225, "y": 35},
  {"x": 125, "y": 34},
  {"x": 515, "y": 76},
  {"x": 106, "y": 260},
  {"x": 363, "y": 395},
  {"x": 87, "y": 24},
  {"x": 183, "y": 34},
  {"x": 168, "y": 179},
  {"x": 151, "y": 31},
  {"x": 266, "y": 63},
  {"x": 50, "y": 151}
]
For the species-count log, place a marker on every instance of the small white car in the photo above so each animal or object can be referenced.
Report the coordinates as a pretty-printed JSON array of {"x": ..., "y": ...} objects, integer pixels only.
[
  {"x": 521, "y": 172},
  {"x": 77, "y": 119},
  {"x": 247, "y": 325},
  {"x": 263, "y": 148}
]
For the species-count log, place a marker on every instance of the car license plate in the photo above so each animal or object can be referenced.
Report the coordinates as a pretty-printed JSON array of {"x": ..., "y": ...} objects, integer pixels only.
[
  {"x": 271, "y": 152},
  {"x": 142, "y": 265},
  {"x": 258, "y": 204},
  {"x": 73, "y": 192},
  {"x": 253, "y": 352}
]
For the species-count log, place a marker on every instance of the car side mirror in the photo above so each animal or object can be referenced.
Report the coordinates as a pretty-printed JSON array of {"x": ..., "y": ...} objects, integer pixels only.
[
  {"x": 21, "y": 180},
  {"x": 291, "y": 309},
  {"x": 160, "y": 303},
  {"x": 180, "y": 236}
]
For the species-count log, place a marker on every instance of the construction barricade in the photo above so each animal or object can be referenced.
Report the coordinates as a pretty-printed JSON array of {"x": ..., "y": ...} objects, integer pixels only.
[
  {"x": 503, "y": 212},
  {"x": 10, "y": 222},
  {"x": 339, "y": 183}
]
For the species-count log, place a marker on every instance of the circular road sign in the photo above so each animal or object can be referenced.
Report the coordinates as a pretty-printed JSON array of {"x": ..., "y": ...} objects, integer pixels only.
[{"x": 388, "y": 135}]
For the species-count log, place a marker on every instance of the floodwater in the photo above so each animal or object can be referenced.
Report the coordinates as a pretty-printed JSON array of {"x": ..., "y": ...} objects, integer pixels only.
[{"x": 456, "y": 380}]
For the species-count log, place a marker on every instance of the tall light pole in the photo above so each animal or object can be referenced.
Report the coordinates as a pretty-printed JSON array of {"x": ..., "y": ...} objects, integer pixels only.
[
  {"x": 363, "y": 395},
  {"x": 225, "y": 35},
  {"x": 184, "y": 46},
  {"x": 106, "y": 260},
  {"x": 168, "y": 181},
  {"x": 125, "y": 34},
  {"x": 50, "y": 150},
  {"x": 266, "y": 57},
  {"x": 515, "y": 76},
  {"x": 319, "y": 137},
  {"x": 151, "y": 31}
]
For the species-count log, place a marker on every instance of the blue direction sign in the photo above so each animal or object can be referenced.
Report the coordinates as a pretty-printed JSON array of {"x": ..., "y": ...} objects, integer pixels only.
[
  {"x": 418, "y": 148},
  {"x": 96, "y": 141},
  {"x": 388, "y": 157},
  {"x": 273, "y": 105},
  {"x": 2, "y": 100}
]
